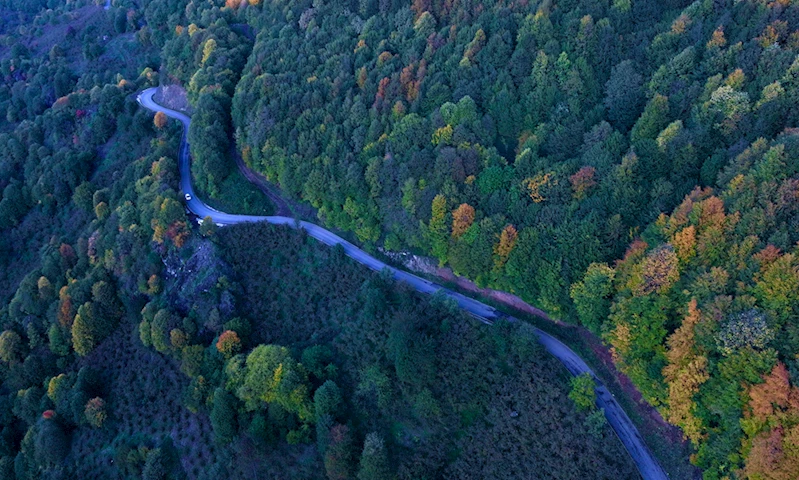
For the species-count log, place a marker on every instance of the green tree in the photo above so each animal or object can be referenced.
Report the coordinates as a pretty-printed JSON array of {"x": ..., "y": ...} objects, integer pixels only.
[
  {"x": 101, "y": 211},
  {"x": 155, "y": 466},
  {"x": 83, "y": 334},
  {"x": 777, "y": 289},
  {"x": 653, "y": 120},
  {"x": 595, "y": 423},
  {"x": 339, "y": 458},
  {"x": 592, "y": 296},
  {"x": 223, "y": 416},
  {"x": 58, "y": 340},
  {"x": 95, "y": 412},
  {"x": 51, "y": 442},
  {"x": 10, "y": 346},
  {"x": 159, "y": 329},
  {"x": 106, "y": 305},
  {"x": 145, "y": 333},
  {"x": 327, "y": 400},
  {"x": 374, "y": 459},
  {"x": 624, "y": 97},
  {"x": 582, "y": 391},
  {"x": 272, "y": 375},
  {"x": 438, "y": 230}
]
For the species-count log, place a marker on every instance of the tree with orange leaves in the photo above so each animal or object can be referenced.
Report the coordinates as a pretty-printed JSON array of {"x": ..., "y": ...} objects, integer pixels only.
[
  {"x": 775, "y": 396},
  {"x": 507, "y": 240},
  {"x": 774, "y": 455},
  {"x": 66, "y": 313},
  {"x": 159, "y": 120},
  {"x": 774, "y": 452},
  {"x": 228, "y": 344},
  {"x": 684, "y": 243},
  {"x": 462, "y": 219},
  {"x": 658, "y": 271},
  {"x": 582, "y": 181}
]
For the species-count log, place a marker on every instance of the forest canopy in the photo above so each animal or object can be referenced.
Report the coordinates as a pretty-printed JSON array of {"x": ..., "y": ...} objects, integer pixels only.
[{"x": 628, "y": 166}]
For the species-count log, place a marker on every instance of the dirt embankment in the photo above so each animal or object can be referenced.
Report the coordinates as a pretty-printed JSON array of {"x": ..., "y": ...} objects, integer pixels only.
[
  {"x": 504, "y": 298},
  {"x": 173, "y": 97}
]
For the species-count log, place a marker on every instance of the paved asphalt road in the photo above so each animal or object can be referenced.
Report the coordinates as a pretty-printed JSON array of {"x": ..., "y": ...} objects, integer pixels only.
[{"x": 647, "y": 464}]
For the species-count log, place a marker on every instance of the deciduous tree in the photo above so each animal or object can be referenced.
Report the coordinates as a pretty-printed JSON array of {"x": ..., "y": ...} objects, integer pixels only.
[
  {"x": 228, "y": 344},
  {"x": 160, "y": 120},
  {"x": 592, "y": 295},
  {"x": 507, "y": 241},
  {"x": 95, "y": 412},
  {"x": 685, "y": 373},
  {"x": 582, "y": 391},
  {"x": 438, "y": 228},
  {"x": 462, "y": 219},
  {"x": 10, "y": 346}
]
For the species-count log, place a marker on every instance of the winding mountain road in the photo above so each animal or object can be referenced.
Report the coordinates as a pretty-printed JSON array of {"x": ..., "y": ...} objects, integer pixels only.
[{"x": 647, "y": 465}]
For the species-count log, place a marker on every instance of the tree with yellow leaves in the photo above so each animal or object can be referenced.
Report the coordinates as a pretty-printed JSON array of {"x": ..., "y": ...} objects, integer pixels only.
[
  {"x": 535, "y": 186},
  {"x": 685, "y": 373},
  {"x": 208, "y": 49}
]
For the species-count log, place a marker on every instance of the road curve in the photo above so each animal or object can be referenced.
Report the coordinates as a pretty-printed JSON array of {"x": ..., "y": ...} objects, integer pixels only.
[{"x": 647, "y": 465}]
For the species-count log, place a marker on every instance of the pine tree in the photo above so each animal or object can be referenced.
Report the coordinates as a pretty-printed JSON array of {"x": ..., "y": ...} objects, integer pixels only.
[
  {"x": 327, "y": 400},
  {"x": 223, "y": 415},
  {"x": 374, "y": 459}
]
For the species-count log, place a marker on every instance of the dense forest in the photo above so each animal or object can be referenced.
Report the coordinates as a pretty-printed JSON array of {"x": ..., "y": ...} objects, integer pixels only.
[
  {"x": 134, "y": 344},
  {"x": 629, "y": 166},
  {"x": 529, "y": 145}
]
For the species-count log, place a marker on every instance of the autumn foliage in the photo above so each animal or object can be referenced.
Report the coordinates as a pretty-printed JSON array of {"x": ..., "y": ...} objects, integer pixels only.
[
  {"x": 160, "y": 120},
  {"x": 462, "y": 219},
  {"x": 95, "y": 412},
  {"x": 685, "y": 373},
  {"x": 229, "y": 343},
  {"x": 775, "y": 397},
  {"x": 507, "y": 240},
  {"x": 583, "y": 181}
]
